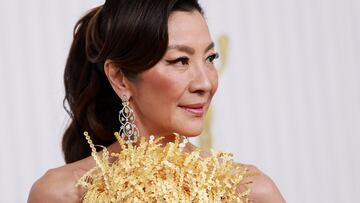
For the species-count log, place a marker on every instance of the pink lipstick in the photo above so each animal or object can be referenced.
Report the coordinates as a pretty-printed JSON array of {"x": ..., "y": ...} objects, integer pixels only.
[{"x": 194, "y": 109}]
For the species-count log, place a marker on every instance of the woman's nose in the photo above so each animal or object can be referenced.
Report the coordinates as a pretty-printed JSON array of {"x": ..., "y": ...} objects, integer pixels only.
[{"x": 201, "y": 81}]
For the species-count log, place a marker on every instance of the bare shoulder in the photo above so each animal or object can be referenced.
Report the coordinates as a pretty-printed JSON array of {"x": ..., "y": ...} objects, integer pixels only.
[
  {"x": 262, "y": 187},
  {"x": 57, "y": 185}
]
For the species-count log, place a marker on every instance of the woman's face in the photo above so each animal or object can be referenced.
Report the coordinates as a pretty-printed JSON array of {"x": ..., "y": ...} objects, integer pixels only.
[{"x": 174, "y": 95}]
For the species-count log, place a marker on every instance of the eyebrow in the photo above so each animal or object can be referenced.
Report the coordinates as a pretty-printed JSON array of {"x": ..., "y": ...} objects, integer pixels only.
[{"x": 190, "y": 50}]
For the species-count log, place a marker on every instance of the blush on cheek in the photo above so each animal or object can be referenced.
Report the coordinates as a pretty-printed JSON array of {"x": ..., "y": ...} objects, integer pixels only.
[{"x": 164, "y": 84}]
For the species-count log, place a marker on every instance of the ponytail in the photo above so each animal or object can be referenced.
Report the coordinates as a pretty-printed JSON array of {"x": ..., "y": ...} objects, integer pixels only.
[{"x": 89, "y": 97}]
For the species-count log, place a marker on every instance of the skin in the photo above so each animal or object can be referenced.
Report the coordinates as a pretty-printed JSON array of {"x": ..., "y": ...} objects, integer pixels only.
[{"x": 156, "y": 97}]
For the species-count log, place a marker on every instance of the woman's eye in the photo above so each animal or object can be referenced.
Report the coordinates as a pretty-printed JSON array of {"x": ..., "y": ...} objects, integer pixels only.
[
  {"x": 212, "y": 57},
  {"x": 179, "y": 61}
]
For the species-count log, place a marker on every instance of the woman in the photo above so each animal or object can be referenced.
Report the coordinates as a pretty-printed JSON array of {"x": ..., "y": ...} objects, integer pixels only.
[{"x": 154, "y": 56}]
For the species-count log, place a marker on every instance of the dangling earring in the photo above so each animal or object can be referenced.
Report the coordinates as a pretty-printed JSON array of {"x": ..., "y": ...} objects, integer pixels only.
[{"x": 128, "y": 130}]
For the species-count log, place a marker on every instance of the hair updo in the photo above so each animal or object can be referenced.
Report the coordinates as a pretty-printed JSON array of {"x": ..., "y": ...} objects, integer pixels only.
[{"x": 134, "y": 35}]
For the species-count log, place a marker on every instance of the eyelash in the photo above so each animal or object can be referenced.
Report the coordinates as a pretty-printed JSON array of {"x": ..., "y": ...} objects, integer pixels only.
[
  {"x": 185, "y": 60},
  {"x": 212, "y": 57}
]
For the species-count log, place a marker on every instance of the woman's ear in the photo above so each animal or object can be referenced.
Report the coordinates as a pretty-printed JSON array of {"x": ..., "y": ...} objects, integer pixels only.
[{"x": 117, "y": 79}]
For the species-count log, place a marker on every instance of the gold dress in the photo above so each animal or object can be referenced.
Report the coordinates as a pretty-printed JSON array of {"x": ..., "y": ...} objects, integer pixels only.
[{"x": 152, "y": 173}]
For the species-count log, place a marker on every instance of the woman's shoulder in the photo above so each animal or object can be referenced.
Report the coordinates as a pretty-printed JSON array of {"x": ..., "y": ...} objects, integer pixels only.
[
  {"x": 262, "y": 187},
  {"x": 58, "y": 185}
]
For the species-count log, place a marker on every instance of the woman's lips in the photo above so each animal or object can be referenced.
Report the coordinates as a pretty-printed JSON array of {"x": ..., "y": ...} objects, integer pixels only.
[{"x": 194, "y": 109}]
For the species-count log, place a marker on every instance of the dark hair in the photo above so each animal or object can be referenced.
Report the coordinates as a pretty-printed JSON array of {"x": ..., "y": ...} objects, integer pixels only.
[{"x": 134, "y": 35}]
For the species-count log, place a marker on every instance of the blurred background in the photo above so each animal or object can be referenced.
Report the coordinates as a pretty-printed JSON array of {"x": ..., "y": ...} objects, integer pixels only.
[{"x": 288, "y": 98}]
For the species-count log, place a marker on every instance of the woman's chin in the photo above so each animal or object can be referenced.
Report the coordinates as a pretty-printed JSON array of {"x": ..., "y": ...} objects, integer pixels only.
[
  {"x": 192, "y": 130},
  {"x": 193, "y": 135}
]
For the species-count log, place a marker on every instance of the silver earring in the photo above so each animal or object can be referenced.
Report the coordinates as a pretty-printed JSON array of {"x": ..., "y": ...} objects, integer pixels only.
[{"x": 128, "y": 130}]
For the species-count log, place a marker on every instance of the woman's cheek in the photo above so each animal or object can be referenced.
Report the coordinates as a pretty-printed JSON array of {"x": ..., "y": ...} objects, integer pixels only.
[
  {"x": 214, "y": 81},
  {"x": 172, "y": 86}
]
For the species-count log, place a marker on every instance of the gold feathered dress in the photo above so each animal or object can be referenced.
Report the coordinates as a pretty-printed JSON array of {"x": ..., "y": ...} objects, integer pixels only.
[{"x": 150, "y": 172}]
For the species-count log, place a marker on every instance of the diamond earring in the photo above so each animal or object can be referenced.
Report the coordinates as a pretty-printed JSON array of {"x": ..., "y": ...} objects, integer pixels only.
[{"x": 128, "y": 130}]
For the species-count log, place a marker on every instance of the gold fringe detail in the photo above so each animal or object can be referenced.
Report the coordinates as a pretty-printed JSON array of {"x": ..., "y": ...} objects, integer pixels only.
[{"x": 152, "y": 173}]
